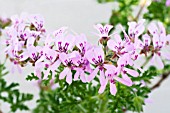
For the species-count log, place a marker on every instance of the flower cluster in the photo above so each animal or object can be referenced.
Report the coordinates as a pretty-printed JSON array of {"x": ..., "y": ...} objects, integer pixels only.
[{"x": 113, "y": 60}]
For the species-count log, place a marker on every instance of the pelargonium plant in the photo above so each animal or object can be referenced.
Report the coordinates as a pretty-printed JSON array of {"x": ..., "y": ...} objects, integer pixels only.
[{"x": 81, "y": 77}]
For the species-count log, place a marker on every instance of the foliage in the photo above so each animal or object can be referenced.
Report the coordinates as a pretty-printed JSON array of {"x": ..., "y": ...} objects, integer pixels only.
[
  {"x": 157, "y": 10},
  {"x": 162, "y": 13},
  {"x": 10, "y": 93},
  {"x": 83, "y": 97}
]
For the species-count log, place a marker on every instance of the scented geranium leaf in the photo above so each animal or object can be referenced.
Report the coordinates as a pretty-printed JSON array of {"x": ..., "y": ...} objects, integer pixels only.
[
  {"x": 138, "y": 102},
  {"x": 13, "y": 96},
  {"x": 32, "y": 77},
  {"x": 46, "y": 82},
  {"x": 10, "y": 94},
  {"x": 147, "y": 75},
  {"x": 12, "y": 85}
]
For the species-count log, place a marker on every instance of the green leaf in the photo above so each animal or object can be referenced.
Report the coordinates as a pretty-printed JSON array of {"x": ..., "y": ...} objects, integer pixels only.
[
  {"x": 138, "y": 102},
  {"x": 32, "y": 77}
]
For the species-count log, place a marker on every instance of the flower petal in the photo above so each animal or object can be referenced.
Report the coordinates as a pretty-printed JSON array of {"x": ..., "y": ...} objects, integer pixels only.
[
  {"x": 93, "y": 74},
  {"x": 102, "y": 87},
  {"x": 111, "y": 45},
  {"x": 76, "y": 76},
  {"x": 157, "y": 62},
  {"x": 83, "y": 77},
  {"x": 113, "y": 89},
  {"x": 69, "y": 77},
  {"x": 102, "y": 78},
  {"x": 64, "y": 73},
  {"x": 131, "y": 72},
  {"x": 126, "y": 82}
]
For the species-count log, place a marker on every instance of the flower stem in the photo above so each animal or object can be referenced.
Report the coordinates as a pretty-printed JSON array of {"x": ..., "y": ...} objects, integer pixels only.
[
  {"x": 140, "y": 10},
  {"x": 146, "y": 62},
  {"x": 164, "y": 77},
  {"x": 103, "y": 101},
  {"x": 82, "y": 108}
]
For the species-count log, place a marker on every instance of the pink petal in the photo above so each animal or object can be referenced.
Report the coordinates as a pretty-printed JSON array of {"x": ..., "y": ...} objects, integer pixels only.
[
  {"x": 126, "y": 82},
  {"x": 63, "y": 57},
  {"x": 113, "y": 89},
  {"x": 98, "y": 51},
  {"x": 24, "y": 56},
  {"x": 102, "y": 88},
  {"x": 107, "y": 28},
  {"x": 102, "y": 78},
  {"x": 89, "y": 55},
  {"x": 59, "y": 32},
  {"x": 93, "y": 74},
  {"x": 109, "y": 67},
  {"x": 64, "y": 73},
  {"x": 131, "y": 27},
  {"x": 167, "y": 2},
  {"x": 83, "y": 77},
  {"x": 139, "y": 29},
  {"x": 55, "y": 65},
  {"x": 76, "y": 76},
  {"x": 125, "y": 77},
  {"x": 111, "y": 45},
  {"x": 157, "y": 61},
  {"x": 153, "y": 28},
  {"x": 165, "y": 54},
  {"x": 146, "y": 39},
  {"x": 30, "y": 41},
  {"x": 162, "y": 29},
  {"x": 71, "y": 40},
  {"x": 131, "y": 72},
  {"x": 118, "y": 38},
  {"x": 99, "y": 27},
  {"x": 69, "y": 77}
]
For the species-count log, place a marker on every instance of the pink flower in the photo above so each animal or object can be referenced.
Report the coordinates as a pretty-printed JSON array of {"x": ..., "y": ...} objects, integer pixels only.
[
  {"x": 121, "y": 69},
  {"x": 60, "y": 32},
  {"x": 159, "y": 43},
  {"x": 51, "y": 61},
  {"x": 37, "y": 21},
  {"x": 96, "y": 57},
  {"x": 34, "y": 53},
  {"x": 136, "y": 29},
  {"x": 118, "y": 45},
  {"x": 81, "y": 43},
  {"x": 16, "y": 20},
  {"x": 67, "y": 60},
  {"x": 103, "y": 30},
  {"x": 63, "y": 44},
  {"x": 15, "y": 66},
  {"x": 82, "y": 65},
  {"x": 145, "y": 45},
  {"x": 112, "y": 77}
]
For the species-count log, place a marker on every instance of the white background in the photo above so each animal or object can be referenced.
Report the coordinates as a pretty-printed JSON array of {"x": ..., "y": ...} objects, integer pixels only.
[{"x": 80, "y": 16}]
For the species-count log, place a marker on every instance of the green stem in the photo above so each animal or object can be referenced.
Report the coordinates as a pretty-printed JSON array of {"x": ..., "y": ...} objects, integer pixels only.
[
  {"x": 140, "y": 10},
  {"x": 146, "y": 62},
  {"x": 82, "y": 108},
  {"x": 103, "y": 101}
]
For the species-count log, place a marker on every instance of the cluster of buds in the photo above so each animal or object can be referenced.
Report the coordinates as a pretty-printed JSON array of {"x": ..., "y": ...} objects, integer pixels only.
[{"x": 113, "y": 60}]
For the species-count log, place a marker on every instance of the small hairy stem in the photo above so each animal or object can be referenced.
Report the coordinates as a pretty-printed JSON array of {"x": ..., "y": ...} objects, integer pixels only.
[
  {"x": 82, "y": 108},
  {"x": 164, "y": 77},
  {"x": 102, "y": 103},
  {"x": 147, "y": 61},
  {"x": 140, "y": 10}
]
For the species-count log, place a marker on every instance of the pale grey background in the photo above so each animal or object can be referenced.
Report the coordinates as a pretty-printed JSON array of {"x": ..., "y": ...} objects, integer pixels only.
[{"x": 80, "y": 16}]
